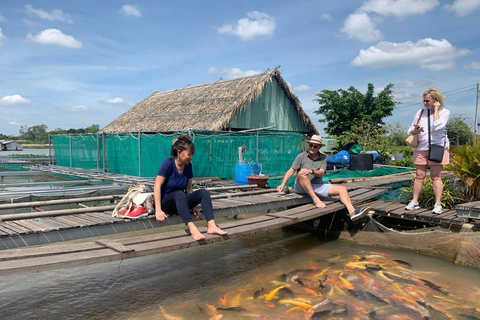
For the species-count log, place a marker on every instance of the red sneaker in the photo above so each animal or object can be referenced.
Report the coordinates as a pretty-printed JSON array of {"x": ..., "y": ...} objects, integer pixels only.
[
  {"x": 127, "y": 210},
  {"x": 136, "y": 213}
]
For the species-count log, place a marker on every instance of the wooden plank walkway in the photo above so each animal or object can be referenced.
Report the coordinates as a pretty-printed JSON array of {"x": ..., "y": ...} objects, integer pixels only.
[
  {"x": 25, "y": 260},
  {"x": 397, "y": 210}
]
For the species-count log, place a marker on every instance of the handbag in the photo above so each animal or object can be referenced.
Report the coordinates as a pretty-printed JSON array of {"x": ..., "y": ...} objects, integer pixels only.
[
  {"x": 412, "y": 140},
  {"x": 435, "y": 151}
]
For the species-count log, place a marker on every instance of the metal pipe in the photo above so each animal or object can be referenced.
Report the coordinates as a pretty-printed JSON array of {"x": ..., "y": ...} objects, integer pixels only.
[
  {"x": 57, "y": 202},
  {"x": 70, "y": 147},
  {"x": 43, "y": 214},
  {"x": 29, "y": 184},
  {"x": 476, "y": 119},
  {"x": 139, "y": 154}
]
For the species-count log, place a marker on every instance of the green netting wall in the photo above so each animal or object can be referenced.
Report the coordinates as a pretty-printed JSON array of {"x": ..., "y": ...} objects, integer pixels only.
[
  {"x": 216, "y": 153},
  {"x": 78, "y": 151}
]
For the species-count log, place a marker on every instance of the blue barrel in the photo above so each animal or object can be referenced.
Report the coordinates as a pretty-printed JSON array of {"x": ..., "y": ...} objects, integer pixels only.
[{"x": 244, "y": 170}]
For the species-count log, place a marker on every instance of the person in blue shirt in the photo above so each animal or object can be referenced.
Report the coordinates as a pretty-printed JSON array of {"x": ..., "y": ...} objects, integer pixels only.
[{"x": 173, "y": 190}]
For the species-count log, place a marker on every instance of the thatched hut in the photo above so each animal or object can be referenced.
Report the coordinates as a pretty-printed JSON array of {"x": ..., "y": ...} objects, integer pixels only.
[{"x": 258, "y": 101}]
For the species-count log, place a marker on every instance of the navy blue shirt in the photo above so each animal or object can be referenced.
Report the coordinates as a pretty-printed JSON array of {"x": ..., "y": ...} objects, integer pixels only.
[{"x": 173, "y": 180}]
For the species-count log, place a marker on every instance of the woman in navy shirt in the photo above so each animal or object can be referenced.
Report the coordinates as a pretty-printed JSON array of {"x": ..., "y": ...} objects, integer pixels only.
[{"x": 173, "y": 190}]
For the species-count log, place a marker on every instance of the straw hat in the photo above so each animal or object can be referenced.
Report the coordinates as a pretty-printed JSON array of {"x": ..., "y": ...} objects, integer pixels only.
[{"x": 316, "y": 139}]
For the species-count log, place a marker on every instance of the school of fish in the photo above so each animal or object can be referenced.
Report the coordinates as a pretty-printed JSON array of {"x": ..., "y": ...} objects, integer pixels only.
[{"x": 370, "y": 286}]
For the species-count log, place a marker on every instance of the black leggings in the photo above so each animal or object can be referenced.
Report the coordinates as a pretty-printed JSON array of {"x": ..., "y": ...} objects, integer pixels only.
[{"x": 179, "y": 201}]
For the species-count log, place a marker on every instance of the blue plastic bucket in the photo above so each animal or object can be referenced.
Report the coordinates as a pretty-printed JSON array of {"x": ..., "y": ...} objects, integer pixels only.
[{"x": 244, "y": 170}]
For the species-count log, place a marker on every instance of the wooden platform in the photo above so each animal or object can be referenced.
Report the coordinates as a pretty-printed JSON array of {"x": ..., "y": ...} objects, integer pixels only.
[
  {"x": 24, "y": 260},
  {"x": 21, "y": 233},
  {"x": 397, "y": 210}
]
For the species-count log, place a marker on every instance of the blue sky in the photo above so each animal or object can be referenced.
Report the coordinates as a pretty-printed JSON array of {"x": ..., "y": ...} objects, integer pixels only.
[{"x": 71, "y": 64}]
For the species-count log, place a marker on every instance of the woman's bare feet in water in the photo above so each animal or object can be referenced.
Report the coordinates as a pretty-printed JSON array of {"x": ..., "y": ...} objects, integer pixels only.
[
  {"x": 194, "y": 232},
  {"x": 213, "y": 229},
  {"x": 318, "y": 203}
]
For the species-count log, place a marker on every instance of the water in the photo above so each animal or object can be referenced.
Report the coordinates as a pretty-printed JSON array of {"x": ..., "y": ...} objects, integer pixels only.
[
  {"x": 192, "y": 283},
  {"x": 38, "y": 152}
]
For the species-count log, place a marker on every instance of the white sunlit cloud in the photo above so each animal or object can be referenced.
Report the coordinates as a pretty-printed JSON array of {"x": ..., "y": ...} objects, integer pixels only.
[
  {"x": 130, "y": 10},
  {"x": 474, "y": 65},
  {"x": 413, "y": 84},
  {"x": 14, "y": 100},
  {"x": 399, "y": 8},
  {"x": 116, "y": 101},
  {"x": 13, "y": 123},
  {"x": 54, "y": 37},
  {"x": 2, "y": 38},
  {"x": 301, "y": 88},
  {"x": 362, "y": 24},
  {"x": 327, "y": 17},
  {"x": 427, "y": 53},
  {"x": 257, "y": 24},
  {"x": 54, "y": 15},
  {"x": 233, "y": 72},
  {"x": 463, "y": 7},
  {"x": 74, "y": 109}
]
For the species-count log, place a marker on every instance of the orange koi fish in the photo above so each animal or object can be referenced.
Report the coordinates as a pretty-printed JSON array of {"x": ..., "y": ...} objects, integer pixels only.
[
  {"x": 167, "y": 316},
  {"x": 345, "y": 282},
  {"x": 273, "y": 293}
]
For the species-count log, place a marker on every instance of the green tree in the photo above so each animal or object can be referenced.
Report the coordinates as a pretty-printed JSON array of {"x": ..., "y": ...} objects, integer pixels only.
[
  {"x": 94, "y": 128},
  {"x": 459, "y": 133},
  {"x": 344, "y": 109},
  {"x": 397, "y": 133},
  {"x": 37, "y": 133}
]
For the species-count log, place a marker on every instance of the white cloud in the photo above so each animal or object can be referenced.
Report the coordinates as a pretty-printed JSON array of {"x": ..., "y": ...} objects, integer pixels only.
[
  {"x": 55, "y": 37},
  {"x": 3, "y": 19},
  {"x": 413, "y": 84},
  {"x": 28, "y": 22},
  {"x": 2, "y": 38},
  {"x": 327, "y": 16},
  {"x": 233, "y": 72},
  {"x": 74, "y": 109},
  {"x": 360, "y": 26},
  {"x": 301, "y": 88},
  {"x": 117, "y": 101},
  {"x": 13, "y": 123},
  {"x": 463, "y": 7},
  {"x": 427, "y": 53},
  {"x": 15, "y": 100},
  {"x": 130, "y": 10},
  {"x": 54, "y": 15},
  {"x": 474, "y": 65},
  {"x": 257, "y": 24},
  {"x": 398, "y": 8}
]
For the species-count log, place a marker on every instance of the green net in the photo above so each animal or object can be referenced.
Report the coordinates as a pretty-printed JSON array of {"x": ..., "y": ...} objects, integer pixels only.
[
  {"x": 78, "y": 151},
  {"x": 216, "y": 153}
]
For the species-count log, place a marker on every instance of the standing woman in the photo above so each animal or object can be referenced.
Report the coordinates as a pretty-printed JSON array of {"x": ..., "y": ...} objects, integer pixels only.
[
  {"x": 173, "y": 190},
  {"x": 433, "y": 103}
]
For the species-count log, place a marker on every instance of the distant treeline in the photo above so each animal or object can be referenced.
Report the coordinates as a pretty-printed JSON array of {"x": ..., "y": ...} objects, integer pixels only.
[{"x": 39, "y": 133}]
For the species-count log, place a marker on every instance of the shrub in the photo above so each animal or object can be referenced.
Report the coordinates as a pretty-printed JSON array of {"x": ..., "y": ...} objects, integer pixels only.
[{"x": 465, "y": 163}]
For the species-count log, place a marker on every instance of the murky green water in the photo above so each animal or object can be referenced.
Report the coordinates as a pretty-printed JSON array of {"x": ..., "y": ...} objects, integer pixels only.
[{"x": 275, "y": 275}]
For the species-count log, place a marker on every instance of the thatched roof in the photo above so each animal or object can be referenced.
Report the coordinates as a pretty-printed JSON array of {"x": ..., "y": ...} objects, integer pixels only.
[{"x": 210, "y": 106}]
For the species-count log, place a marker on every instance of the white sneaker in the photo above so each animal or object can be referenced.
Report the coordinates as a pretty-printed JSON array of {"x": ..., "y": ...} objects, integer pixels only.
[
  {"x": 437, "y": 208},
  {"x": 359, "y": 213},
  {"x": 412, "y": 206}
]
